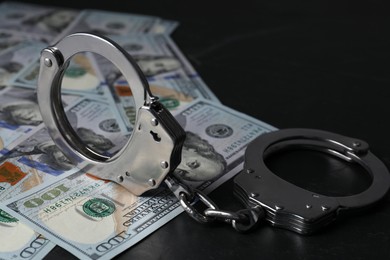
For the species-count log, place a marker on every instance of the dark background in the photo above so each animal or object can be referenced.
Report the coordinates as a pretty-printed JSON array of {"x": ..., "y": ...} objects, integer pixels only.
[{"x": 310, "y": 64}]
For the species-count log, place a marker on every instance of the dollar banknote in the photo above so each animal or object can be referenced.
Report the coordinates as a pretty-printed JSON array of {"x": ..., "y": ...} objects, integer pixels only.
[
  {"x": 19, "y": 109},
  {"x": 17, "y": 177},
  {"x": 97, "y": 219},
  {"x": 160, "y": 60},
  {"x": 10, "y": 38},
  {"x": 95, "y": 123},
  {"x": 10, "y": 133},
  {"x": 112, "y": 23},
  {"x": 170, "y": 75},
  {"x": 20, "y": 115},
  {"x": 80, "y": 77},
  {"x": 39, "y": 185},
  {"x": 39, "y": 152},
  {"x": 156, "y": 54},
  {"x": 44, "y": 22},
  {"x": 164, "y": 26},
  {"x": 158, "y": 57},
  {"x": 13, "y": 60},
  {"x": 8, "y": 136},
  {"x": 174, "y": 93},
  {"x": 36, "y": 161},
  {"x": 18, "y": 241}
]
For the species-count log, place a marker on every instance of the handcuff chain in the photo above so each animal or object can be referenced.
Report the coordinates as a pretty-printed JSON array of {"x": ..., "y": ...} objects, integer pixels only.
[{"x": 242, "y": 221}]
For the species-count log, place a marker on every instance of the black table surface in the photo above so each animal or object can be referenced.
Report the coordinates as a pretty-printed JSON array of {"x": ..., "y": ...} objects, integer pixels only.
[{"x": 306, "y": 64}]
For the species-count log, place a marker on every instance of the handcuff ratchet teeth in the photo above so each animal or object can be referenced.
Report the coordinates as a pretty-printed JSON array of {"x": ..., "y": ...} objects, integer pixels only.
[{"x": 154, "y": 148}]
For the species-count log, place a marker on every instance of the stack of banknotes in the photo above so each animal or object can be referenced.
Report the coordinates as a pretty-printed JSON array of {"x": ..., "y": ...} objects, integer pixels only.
[{"x": 46, "y": 201}]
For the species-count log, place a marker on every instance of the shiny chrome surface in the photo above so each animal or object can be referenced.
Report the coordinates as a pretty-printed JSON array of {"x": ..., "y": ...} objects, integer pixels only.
[
  {"x": 294, "y": 208},
  {"x": 145, "y": 160},
  {"x": 242, "y": 221}
]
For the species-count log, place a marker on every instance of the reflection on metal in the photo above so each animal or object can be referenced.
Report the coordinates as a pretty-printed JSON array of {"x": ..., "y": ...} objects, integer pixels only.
[
  {"x": 291, "y": 207},
  {"x": 153, "y": 150}
]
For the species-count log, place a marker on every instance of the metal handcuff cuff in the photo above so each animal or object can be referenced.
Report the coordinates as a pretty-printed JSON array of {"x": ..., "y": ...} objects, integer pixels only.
[{"x": 154, "y": 150}]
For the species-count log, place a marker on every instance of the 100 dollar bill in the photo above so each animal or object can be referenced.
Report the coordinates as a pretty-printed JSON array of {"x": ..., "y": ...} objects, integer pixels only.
[
  {"x": 97, "y": 219},
  {"x": 36, "y": 161},
  {"x": 44, "y": 22},
  {"x": 17, "y": 240},
  {"x": 94, "y": 121},
  {"x": 170, "y": 75},
  {"x": 20, "y": 116},
  {"x": 157, "y": 55},
  {"x": 80, "y": 77},
  {"x": 107, "y": 23},
  {"x": 13, "y": 60}
]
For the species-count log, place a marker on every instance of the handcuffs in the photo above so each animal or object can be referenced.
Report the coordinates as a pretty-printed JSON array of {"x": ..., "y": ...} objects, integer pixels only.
[
  {"x": 154, "y": 150},
  {"x": 157, "y": 133}
]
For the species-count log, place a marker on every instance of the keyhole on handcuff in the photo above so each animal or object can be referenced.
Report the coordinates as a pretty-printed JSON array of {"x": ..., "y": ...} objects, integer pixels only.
[
  {"x": 155, "y": 136},
  {"x": 319, "y": 172}
]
